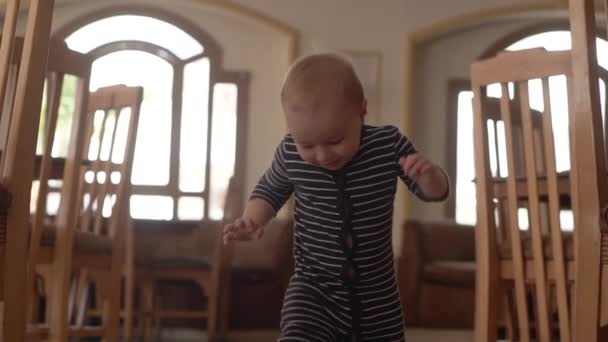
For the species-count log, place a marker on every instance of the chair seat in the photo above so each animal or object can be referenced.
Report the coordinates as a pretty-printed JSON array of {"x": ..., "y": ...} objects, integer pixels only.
[
  {"x": 185, "y": 264},
  {"x": 84, "y": 242},
  {"x": 452, "y": 273},
  {"x": 567, "y": 242},
  {"x": 177, "y": 263}
]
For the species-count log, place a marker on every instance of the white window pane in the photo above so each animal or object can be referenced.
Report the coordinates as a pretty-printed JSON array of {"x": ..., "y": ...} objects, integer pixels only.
[
  {"x": 108, "y": 136},
  {"x": 108, "y": 205},
  {"x": 602, "y": 86},
  {"x": 193, "y": 147},
  {"x": 495, "y": 90},
  {"x": 552, "y": 41},
  {"x": 502, "y": 148},
  {"x": 34, "y": 191},
  {"x": 122, "y": 129},
  {"x": 465, "y": 168},
  {"x": 153, "y": 148},
  {"x": 523, "y": 219},
  {"x": 152, "y": 207},
  {"x": 98, "y": 119},
  {"x": 135, "y": 28},
  {"x": 190, "y": 208},
  {"x": 42, "y": 125},
  {"x": 492, "y": 142},
  {"x": 566, "y": 219},
  {"x": 65, "y": 116},
  {"x": 535, "y": 94},
  {"x": 53, "y": 201},
  {"x": 53, "y": 196},
  {"x": 223, "y": 145},
  {"x": 558, "y": 93}
]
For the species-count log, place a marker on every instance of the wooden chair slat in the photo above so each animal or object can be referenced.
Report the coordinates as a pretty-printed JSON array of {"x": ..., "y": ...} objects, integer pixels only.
[
  {"x": 531, "y": 156},
  {"x": 514, "y": 230},
  {"x": 17, "y": 160}
]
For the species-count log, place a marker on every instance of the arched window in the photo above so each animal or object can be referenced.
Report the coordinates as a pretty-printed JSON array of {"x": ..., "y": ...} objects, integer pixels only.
[
  {"x": 192, "y": 115},
  {"x": 552, "y": 40}
]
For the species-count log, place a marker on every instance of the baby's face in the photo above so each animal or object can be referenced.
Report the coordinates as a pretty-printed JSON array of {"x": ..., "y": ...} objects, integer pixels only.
[{"x": 328, "y": 137}]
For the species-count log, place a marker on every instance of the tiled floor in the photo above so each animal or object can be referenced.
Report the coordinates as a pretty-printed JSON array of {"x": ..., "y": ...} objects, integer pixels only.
[{"x": 413, "y": 335}]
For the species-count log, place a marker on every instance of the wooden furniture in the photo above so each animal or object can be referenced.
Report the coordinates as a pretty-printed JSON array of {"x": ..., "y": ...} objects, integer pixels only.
[
  {"x": 590, "y": 193},
  {"x": 21, "y": 85},
  {"x": 212, "y": 276},
  {"x": 259, "y": 273},
  {"x": 521, "y": 270},
  {"x": 437, "y": 274},
  {"x": 87, "y": 239},
  {"x": 62, "y": 64}
]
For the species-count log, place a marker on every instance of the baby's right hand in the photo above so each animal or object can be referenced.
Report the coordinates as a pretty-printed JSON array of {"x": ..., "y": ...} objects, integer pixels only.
[{"x": 243, "y": 229}]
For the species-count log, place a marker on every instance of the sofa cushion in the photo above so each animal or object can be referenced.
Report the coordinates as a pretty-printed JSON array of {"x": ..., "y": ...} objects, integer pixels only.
[{"x": 450, "y": 273}]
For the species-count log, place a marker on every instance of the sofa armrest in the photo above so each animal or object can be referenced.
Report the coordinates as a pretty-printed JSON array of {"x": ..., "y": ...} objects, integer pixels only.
[{"x": 446, "y": 241}]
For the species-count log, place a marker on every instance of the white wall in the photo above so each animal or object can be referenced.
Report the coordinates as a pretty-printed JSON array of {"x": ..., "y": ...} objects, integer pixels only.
[
  {"x": 381, "y": 26},
  {"x": 378, "y": 26}
]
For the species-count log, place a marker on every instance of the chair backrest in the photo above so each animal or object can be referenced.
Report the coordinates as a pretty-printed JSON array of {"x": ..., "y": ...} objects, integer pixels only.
[
  {"x": 521, "y": 191},
  {"x": 103, "y": 182},
  {"x": 222, "y": 260},
  {"x": 589, "y": 176},
  {"x": 22, "y": 100},
  {"x": 67, "y": 71},
  {"x": 492, "y": 111}
]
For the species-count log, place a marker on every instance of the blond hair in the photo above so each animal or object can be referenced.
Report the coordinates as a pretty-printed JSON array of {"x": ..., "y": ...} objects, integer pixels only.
[{"x": 321, "y": 79}]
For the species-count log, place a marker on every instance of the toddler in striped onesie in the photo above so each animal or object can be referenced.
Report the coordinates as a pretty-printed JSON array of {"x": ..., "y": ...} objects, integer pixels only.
[{"x": 343, "y": 175}]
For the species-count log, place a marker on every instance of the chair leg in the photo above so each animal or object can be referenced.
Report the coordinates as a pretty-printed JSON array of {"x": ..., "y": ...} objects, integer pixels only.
[
  {"x": 60, "y": 288},
  {"x": 147, "y": 307},
  {"x": 36, "y": 291},
  {"x": 510, "y": 315},
  {"x": 129, "y": 282},
  {"x": 111, "y": 313},
  {"x": 225, "y": 307},
  {"x": 82, "y": 301},
  {"x": 157, "y": 319},
  {"x": 213, "y": 309},
  {"x": 602, "y": 334}
]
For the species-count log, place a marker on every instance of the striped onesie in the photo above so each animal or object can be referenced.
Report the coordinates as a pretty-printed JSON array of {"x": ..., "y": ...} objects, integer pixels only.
[{"x": 344, "y": 286}]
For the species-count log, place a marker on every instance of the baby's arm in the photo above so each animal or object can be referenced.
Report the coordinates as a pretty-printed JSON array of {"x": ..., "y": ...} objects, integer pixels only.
[
  {"x": 431, "y": 179},
  {"x": 249, "y": 226},
  {"x": 423, "y": 177},
  {"x": 269, "y": 195}
]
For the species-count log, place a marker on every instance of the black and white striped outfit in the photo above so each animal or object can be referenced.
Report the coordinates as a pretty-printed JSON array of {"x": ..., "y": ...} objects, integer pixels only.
[{"x": 344, "y": 286}]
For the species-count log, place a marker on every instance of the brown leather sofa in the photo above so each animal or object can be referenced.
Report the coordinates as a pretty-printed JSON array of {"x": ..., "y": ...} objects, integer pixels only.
[{"x": 437, "y": 274}]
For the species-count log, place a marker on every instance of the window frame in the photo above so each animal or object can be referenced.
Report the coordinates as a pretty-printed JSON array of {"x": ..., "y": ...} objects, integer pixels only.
[
  {"x": 457, "y": 85},
  {"x": 211, "y": 50}
]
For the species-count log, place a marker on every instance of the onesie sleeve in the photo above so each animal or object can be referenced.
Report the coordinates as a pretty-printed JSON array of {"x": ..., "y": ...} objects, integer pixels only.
[{"x": 274, "y": 186}]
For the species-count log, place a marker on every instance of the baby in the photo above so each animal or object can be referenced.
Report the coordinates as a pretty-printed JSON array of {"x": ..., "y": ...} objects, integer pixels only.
[{"x": 343, "y": 174}]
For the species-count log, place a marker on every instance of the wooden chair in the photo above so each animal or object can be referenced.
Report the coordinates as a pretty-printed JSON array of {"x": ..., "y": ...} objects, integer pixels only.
[
  {"x": 21, "y": 85},
  {"x": 87, "y": 238},
  {"x": 62, "y": 64},
  {"x": 532, "y": 271},
  {"x": 212, "y": 276},
  {"x": 590, "y": 193}
]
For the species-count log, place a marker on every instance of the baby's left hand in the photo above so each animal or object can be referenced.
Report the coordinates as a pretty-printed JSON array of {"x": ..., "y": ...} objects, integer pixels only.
[
  {"x": 416, "y": 165},
  {"x": 430, "y": 177}
]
